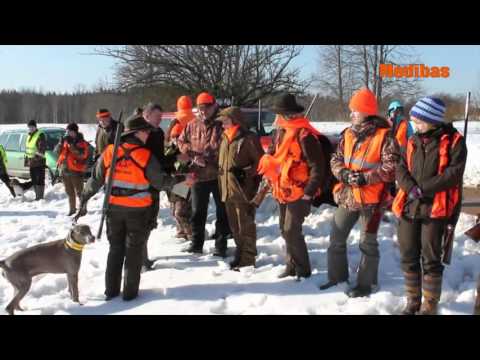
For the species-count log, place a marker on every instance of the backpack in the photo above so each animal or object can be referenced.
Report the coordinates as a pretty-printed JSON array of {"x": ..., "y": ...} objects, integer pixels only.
[{"x": 326, "y": 197}]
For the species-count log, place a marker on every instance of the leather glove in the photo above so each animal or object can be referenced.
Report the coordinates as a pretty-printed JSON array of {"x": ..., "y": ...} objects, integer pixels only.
[
  {"x": 345, "y": 176},
  {"x": 357, "y": 178},
  {"x": 415, "y": 193}
]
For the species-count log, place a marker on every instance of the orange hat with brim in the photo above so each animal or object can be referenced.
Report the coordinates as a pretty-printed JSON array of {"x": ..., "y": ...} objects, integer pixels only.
[
  {"x": 205, "y": 98},
  {"x": 364, "y": 101},
  {"x": 103, "y": 114}
]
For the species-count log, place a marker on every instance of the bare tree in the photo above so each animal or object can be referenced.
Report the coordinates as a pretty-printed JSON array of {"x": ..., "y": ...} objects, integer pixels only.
[
  {"x": 336, "y": 73},
  {"x": 345, "y": 68},
  {"x": 245, "y": 72}
]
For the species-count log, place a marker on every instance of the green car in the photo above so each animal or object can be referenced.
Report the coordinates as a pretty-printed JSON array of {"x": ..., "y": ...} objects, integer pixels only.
[{"x": 14, "y": 142}]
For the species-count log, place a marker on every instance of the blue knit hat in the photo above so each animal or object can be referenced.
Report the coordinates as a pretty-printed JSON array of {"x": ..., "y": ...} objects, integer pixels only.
[{"x": 429, "y": 109}]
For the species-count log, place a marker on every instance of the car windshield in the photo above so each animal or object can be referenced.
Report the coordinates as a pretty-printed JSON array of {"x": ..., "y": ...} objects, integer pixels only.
[
  {"x": 53, "y": 138},
  {"x": 267, "y": 118}
]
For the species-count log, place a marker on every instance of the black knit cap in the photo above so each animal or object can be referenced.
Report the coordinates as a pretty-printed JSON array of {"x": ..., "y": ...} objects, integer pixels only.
[
  {"x": 72, "y": 127},
  {"x": 32, "y": 123}
]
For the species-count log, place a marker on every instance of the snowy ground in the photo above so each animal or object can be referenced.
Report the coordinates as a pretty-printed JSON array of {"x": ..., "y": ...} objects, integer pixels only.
[{"x": 187, "y": 284}]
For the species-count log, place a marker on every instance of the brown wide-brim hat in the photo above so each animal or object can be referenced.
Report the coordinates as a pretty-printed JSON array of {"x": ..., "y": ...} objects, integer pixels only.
[
  {"x": 136, "y": 123},
  {"x": 286, "y": 104},
  {"x": 233, "y": 113}
]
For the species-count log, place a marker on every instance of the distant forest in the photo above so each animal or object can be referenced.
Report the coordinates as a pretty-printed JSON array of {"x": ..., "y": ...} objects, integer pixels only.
[{"x": 49, "y": 107}]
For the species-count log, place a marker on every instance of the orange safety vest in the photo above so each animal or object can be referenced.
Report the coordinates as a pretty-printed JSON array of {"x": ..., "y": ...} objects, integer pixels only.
[
  {"x": 129, "y": 175},
  {"x": 366, "y": 157},
  {"x": 294, "y": 173},
  {"x": 401, "y": 135},
  {"x": 444, "y": 202},
  {"x": 74, "y": 162}
]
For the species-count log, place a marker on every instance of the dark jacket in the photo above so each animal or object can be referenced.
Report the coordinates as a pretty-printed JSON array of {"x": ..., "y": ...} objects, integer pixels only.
[
  {"x": 241, "y": 156},
  {"x": 153, "y": 172},
  {"x": 312, "y": 153},
  {"x": 38, "y": 161},
  {"x": 424, "y": 173},
  {"x": 104, "y": 137},
  {"x": 202, "y": 139},
  {"x": 156, "y": 144},
  {"x": 385, "y": 173}
]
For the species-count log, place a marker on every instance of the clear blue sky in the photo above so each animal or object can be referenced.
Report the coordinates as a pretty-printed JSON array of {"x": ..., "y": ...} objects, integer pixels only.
[{"x": 61, "y": 68}]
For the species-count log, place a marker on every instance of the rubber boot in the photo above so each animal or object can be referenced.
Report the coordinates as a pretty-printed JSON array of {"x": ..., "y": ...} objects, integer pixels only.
[{"x": 432, "y": 289}]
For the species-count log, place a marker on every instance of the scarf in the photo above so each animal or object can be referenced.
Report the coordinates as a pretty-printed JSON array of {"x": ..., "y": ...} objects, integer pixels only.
[{"x": 270, "y": 165}]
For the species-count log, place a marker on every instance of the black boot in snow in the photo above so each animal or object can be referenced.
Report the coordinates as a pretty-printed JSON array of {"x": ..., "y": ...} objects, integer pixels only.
[
  {"x": 359, "y": 291},
  {"x": 328, "y": 285}
]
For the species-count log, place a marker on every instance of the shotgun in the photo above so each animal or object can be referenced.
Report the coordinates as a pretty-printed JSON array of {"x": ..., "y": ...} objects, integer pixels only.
[
  {"x": 108, "y": 185},
  {"x": 449, "y": 233}
]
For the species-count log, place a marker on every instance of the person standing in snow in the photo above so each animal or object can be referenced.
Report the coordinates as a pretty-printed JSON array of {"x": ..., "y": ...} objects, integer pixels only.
[
  {"x": 363, "y": 163},
  {"x": 128, "y": 221},
  {"x": 401, "y": 128},
  {"x": 105, "y": 135},
  {"x": 240, "y": 152},
  {"x": 428, "y": 203},
  {"x": 72, "y": 163},
  {"x": 296, "y": 171},
  {"x": 198, "y": 144},
  {"x": 181, "y": 208},
  {"x": 35, "y": 148},
  {"x": 152, "y": 113}
]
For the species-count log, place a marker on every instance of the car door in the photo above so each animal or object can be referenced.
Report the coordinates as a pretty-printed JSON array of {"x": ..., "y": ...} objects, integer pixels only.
[{"x": 15, "y": 155}]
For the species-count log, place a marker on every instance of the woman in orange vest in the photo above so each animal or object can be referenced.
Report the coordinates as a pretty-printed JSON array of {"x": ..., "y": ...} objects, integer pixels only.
[
  {"x": 129, "y": 214},
  {"x": 296, "y": 172},
  {"x": 72, "y": 164},
  {"x": 181, "y": 207},
  {"x": 428, "y": 202},
  {"x": 364, "y": 161}
]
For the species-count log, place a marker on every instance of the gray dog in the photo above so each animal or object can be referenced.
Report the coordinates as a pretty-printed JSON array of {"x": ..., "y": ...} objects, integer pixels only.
[{"x": 56, "y": 257}]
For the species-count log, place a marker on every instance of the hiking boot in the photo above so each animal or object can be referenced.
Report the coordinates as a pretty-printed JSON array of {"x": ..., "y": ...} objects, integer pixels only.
[
  {"x": 71, "y": 212},
  {"x": 147, "y": 265},
  {"x": 234, "y": 264},
  {"x": 129, "y": 297},
  {"x": 289, "y": 271},
  {"x": 193, "y": 250},
  {"x": 328, "y": 285},
  {"x": 412, "y": 307},
  {"x": 109, "y": 297},
  {"x": 429, "y": 307},
  {"x": 359, "y": 291},
  {"x": 220, "y": 253}
]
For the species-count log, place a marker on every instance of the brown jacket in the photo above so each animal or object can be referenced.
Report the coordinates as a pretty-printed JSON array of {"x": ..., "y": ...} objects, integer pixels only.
[
  {"x": 104, "y": 137},
  {"x": 243, "y": 153},
  {"x": 38, "y": 161},
  {"x": 425, "y": 170},
  {"x": 312, "y": 153},
  {"x": 385, "y": 173},
  {"x": 201, "y": 139}
]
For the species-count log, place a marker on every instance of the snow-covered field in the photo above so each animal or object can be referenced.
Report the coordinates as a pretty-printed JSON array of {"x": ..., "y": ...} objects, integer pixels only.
[{"x": 187, "y": 284}]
